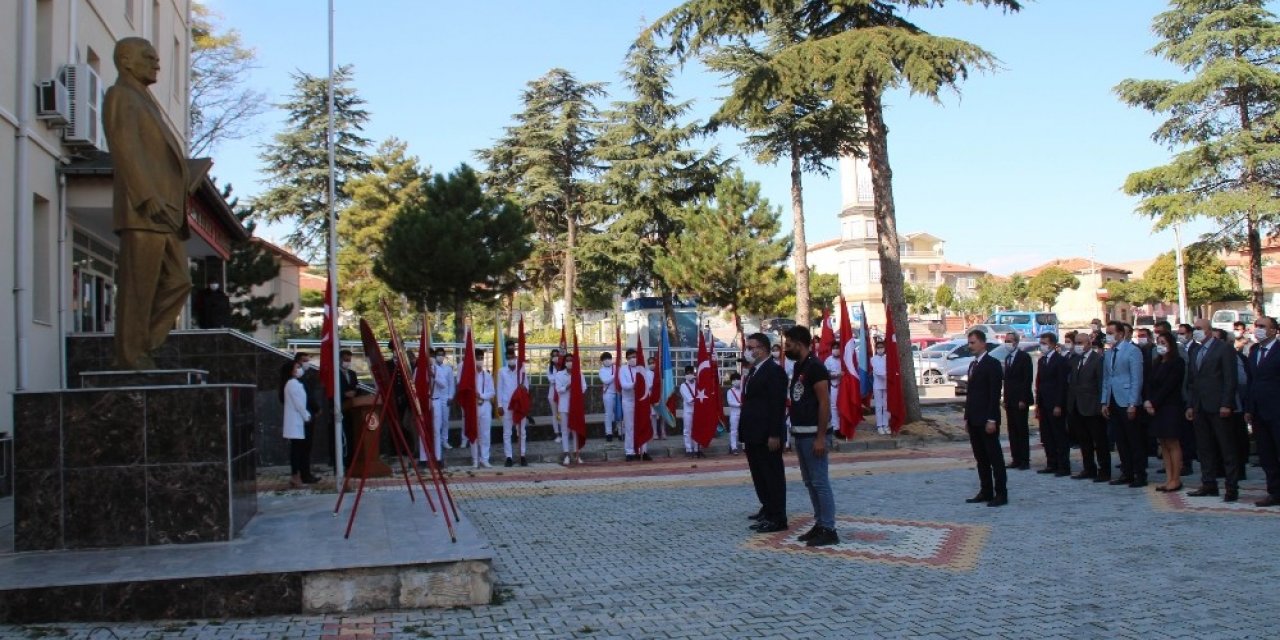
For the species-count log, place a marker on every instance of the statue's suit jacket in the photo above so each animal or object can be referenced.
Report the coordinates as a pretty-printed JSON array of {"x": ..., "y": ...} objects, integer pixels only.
[{"x": 149, "y": 161}]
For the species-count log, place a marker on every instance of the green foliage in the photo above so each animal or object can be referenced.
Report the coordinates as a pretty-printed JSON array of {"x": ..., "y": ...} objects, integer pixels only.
[
  {"x": 1220, "y": 121},
  {"x": 221, "y": 107},
  {"x": 376, "y": 198},
  {"x": 1207, "y": 279},
  {"x": 944, "y": 297},
  {"x": 545, "y": 164},
  {"x": 250, "y": 265},
  {"x": 311, "y": 298},
  {"x": 995, "y": 293},
  {"x": 729, "y": 253},
  {"x": 296, "y": 163},
  {"x": 1045, "y": 286},
  {"x": 652, "y": 172},
  {"x": 919, "y": 297},
  {"x": 451, "y": 244}
]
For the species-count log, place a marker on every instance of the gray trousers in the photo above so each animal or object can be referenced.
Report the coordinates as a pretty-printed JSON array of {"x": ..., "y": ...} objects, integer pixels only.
[{"x": 1216, "y": 440}]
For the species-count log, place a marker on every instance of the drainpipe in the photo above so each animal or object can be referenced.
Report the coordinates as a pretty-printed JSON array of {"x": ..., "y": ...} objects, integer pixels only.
[
  {"x": 22, "y": 208},
  {"x": 64, "y": 261}
]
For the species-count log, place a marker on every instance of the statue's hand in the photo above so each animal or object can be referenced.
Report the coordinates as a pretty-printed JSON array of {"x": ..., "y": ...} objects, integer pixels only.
[{"x": 153, "y": 209}]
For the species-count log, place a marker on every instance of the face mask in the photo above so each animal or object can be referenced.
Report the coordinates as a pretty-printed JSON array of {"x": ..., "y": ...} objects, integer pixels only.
[
  {"x": 1161, "y": 349},
  {"x": 511, "y": 366},
  {"x": 1142, "y": 342},
  {"x": 214, "y": 286},
  {"x": 1079, "y": 348},
  {"x": 879, "y": 352},
  {"x": 688, "y": 378},
  {"x": 346, "y": 365},
  {"x": 835, "y": 354},
  {"x": 631, "y": 362},
  {"x": 1096, "y": 327},
  {"x": 1198, "y": 335},
  {"x": 1259, "y": 334},
  {"x": 1111, "y": 339},
  {"x": 1047, "y": 348},
  {"x": 1239, "y": 334},
  {"x": 297, "y": 373},
  {"x": 439, "y": 359},
  {"x": 737, "y": 384},
  {"x": 1008, "y": 344},
  {"x": 1182, "y": 338}
]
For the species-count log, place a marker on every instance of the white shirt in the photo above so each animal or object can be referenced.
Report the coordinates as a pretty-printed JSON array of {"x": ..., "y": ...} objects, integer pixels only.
[
  {"x": 507, "y": 386},
  {"x": 734, "y": 400},
  {"x": 484, "y": 386},
  {"x": 834, "y": 371},
  {"x": 295, "y": 410},
  {"x": 561, "y": 381},
  {"x": 879, "y": 373},
  {"x": 444, "y": 387},
  {"x": 606, "y": 380},
  {"x": 687, "y": 392}
]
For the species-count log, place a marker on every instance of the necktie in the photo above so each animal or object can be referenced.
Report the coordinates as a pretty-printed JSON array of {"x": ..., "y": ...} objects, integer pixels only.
[
  {"x": 1008, "y": 362},
  {"x": 972, "y": 366}
]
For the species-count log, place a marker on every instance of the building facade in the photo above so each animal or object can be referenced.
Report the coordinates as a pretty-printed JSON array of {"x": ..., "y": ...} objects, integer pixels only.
[{"x": 1077, "y": 307}]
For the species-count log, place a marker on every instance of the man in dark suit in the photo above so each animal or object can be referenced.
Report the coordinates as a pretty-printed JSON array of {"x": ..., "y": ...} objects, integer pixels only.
[
  {"x": 760, "y": 428},
  {"x": 1051, "y": 406},
  {"x": 1210, "y": 390},
  {"x": 1084, "y": 387},
  {"x": 1017, "y": 401},
  {"x": 348, "y": 388},
  {"x": 982, "y": 418},
  {"x": 1262, "y": 405}
]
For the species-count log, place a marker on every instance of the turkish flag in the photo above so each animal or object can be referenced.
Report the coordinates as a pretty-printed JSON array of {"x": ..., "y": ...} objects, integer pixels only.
[
  {"x": 849, "y": 398},
  {"x": 466, "y": 394},
  {"x": 893, "y": 377},
  {"x": 423, "y": 375},
  {"x": 643, "y": 426},
  {"x": 521, "y": 402},
  {"x": 707, "y": 411},
  {"x": 828, "y": 340},
  {"x": 326, "y": 345},
  {"x": 577, "y": 400}
]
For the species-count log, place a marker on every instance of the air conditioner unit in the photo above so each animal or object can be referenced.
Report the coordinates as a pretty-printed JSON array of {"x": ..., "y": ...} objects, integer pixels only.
[
  {"x": 53, "y": 103},
  {"x": 84, "y": 95}
]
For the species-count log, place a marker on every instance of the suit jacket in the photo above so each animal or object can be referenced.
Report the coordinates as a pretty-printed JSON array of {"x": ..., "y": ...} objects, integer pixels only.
[
  {"x": 1017, "y": 381},
  {"x": 1085, "y": 384},
  {"x": 1166, "y": 383},
  {"x": 1211, "y": 376},
  {"x": 1051, "y": 382},
  {"x": 1122, "y": 375},
  {"x": 348, "y": 381},
  {"x": 764, "y": 404},
  {"x": 982, "y": 403},
  {"x": 1263, "y": 397},
  {"x": 149, "y": 162}
]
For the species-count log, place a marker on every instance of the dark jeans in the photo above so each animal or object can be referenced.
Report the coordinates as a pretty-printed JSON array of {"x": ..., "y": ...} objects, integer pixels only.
[
  {"x": 1266, "y": 430},
  {"x": 1053, "y": 435},
  {"x": 813, "y": 470},
  {"x": 990, "y": 459},
  {"x": 769, "y": 478},
  {"x": 298, "y": 463},
  {"x": 1216, "y": 444},
  {"x": 1095, "y": 449},
  {"x": 1019, "y": 436},
  {"x": 1131, "y": 442}
]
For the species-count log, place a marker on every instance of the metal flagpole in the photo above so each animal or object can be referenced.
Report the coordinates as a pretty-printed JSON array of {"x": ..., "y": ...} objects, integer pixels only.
[
  {"x": 335, "y": 365},
  {"x": 1183, "y": 314}
]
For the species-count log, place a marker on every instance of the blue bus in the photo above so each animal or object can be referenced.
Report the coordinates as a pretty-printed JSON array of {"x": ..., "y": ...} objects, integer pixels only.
[{"x": 1030, "y": 324}]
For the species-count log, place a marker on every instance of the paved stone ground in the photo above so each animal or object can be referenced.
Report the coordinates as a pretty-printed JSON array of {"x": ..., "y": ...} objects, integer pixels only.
[{"x": 596, "y": 552}]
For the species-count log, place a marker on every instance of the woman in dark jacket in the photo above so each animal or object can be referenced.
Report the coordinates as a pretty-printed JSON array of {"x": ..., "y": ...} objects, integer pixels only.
[{"x": 1164, "y": 403}]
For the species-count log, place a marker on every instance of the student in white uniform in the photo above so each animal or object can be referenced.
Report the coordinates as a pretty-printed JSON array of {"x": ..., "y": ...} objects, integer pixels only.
[
  {"x": 563, "y": 378},
  {"x": 628, "y": 375},
  {"x": 552, "y": 398},
  {"x": 441, "y": 395},
  {"x": 733, "y": 399},
  {"x": 834, "y": 371},
  {"x": 484, "y": 412},
  {"x": 507, "y": 383},
  {"x": 688, "y": 392},
  {"x": 659, "y": 427},
  {"x": 880, "y": 386},
  {"x": 609, "y": 391}
]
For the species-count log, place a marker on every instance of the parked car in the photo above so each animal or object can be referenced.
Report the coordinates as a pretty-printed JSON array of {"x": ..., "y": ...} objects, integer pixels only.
[
  {"x": 934, "y": 361},
  {"x": 1225, "y": 319},
  {"x": 310, "y": 319},
  {"x": 776, "y": 325},
  {"x": 1144, "y": 322},
  {"x": 994, "y": 331},
  {"x": 920, "y": 344},
  {"x": 958, "y": 371},
  {"x": 1028, "y": 324}
]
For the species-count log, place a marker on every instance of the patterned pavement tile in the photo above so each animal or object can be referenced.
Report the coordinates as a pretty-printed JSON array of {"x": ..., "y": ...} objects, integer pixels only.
[
  {"x": 939, "y": 545},
  {"x": 1180, "y": 501}
]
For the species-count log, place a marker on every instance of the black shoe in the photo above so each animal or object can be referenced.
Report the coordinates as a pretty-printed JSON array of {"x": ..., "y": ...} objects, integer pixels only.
[
  {"x": 608, "y": 437},
  {"x": 1083, "y": 475},
  {"x": 1046, "y": 470},
  {"x": 1269, "y": 501},
  {"x": 1121, "y": 480},
  {"x": 1138, "y": 483},
  {"x": 757, "y": 516},
  {"x": 998, "y": 501},
  {"x": 646, "y": 457},
  {"x": 509, "y": 463},
  {"x": 310, "y": 480},
  {"x": 981, "y": 497},
  {"x": 1203, "y": 491},
  {"x": 699, "y": 454},
  {"x": 806, "y": 536},
  {"x": 1062, "y": 474},
  {"x": 1024, "y": 467},
  {"x": 1231, "y": 495},
  {"x": 631, "y": 457},
  {"x": 770, "y": 527},
  {"x": 1106, "y": 479},
  {"x": 523, "y": 462},
  {"x": 823, "y": 537}
]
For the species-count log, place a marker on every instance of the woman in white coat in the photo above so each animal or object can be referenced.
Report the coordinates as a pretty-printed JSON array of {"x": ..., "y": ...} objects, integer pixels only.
[{"x": 294, "y": 397}]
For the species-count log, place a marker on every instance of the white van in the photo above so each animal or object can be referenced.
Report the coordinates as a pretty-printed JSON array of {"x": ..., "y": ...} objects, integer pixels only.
[{"x": 1225, "y": 319}]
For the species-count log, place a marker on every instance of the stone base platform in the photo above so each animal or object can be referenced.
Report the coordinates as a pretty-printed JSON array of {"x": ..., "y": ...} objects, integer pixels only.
[{"x": 290, "y": 559}]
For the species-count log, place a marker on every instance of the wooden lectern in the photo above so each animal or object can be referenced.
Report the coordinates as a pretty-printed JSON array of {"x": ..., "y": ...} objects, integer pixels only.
[{"x": 368, "y": 428}]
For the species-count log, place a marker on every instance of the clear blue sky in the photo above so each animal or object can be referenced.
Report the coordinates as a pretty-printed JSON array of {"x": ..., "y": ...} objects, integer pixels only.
[{"x": 1026, "y": 165}]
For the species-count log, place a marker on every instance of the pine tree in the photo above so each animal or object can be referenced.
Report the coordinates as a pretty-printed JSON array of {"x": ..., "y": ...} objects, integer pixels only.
[
  {"x": 376, "y": 198},
  {"x": 729, "y": 253},
  {"x": 451, "y": 244},
  {"x": 652, "y": 173},
  {"x": 250, "y": 265},
  {"x": 1222, "y": 121},
  {"x": 545, "y": 164},
  {"x": 852, "y": 53},
  {"x": 807, "y": 129},
  {"x": 297, "y": 162}
]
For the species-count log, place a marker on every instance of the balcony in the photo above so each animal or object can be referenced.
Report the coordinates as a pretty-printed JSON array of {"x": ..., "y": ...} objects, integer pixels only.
[{"x": 921, "y": 257}]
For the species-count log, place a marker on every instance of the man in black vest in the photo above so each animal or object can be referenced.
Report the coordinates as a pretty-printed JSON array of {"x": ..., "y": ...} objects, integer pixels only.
[
  {"x": 982, "y": 417},
  {"x": 1017, "y": 401},
  {"x": 760, "y": 427}
]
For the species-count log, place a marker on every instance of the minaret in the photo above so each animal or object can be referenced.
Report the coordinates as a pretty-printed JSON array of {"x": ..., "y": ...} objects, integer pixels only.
[{"x": 857, "y": 200}]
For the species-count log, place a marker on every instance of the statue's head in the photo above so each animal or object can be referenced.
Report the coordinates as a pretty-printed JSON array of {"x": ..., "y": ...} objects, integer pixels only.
[{"x": 136, "y": 58}]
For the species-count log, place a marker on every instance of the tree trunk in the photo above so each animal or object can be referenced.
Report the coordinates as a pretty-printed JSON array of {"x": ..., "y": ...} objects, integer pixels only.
[
  {"x": 548, "y": 307},
  {"x": 800, "y": 252},
  {"x": 460, "y": 319},
  {"x": 669, "y": 316},
  {"x": 1255, "y": 264},
  {"x": 887, "y": 228},
  {"x": 570, "y": 267}
]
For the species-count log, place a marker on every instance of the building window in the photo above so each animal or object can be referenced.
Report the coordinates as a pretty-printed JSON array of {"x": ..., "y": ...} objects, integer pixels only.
[
  {"x": 42, "y": 283},
  {"x": 873, "y": 270},
  {"x": 857, "y": 272},
  {"x": 93, "y": 271},
  {"x": 871, "y": 229}
]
